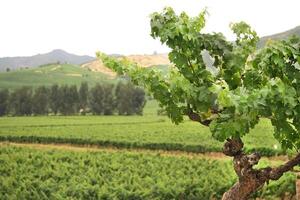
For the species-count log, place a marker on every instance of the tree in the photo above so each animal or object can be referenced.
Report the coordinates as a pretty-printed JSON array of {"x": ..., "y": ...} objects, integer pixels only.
[
  {"x": 129, "y": 99},
  {"x": 123, "y": 94},
  {"x": 63, "y": 100},
  {"x": 108, "y": 99},
  {"x": 96, "y": 99},
  {"x": 21, "y": 101},
  {"x": 40, "y": 101},
  {"x": 55, "y": 100},
  {"x": 4, "y": 97},
  {"x": 73, "y": 99},
  {"x": 138, "y": 100},
  {"x": 83, "y": 96},
  {"x": 68, "y": 96},
  {"x": 247, "y": 85}
]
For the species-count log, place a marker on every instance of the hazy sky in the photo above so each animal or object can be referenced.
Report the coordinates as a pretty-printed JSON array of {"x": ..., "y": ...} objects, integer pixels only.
[{"x": 85, "y": 26}]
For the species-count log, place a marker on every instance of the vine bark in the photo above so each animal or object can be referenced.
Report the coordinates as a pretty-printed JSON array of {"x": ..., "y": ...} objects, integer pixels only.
[{"x": 249, "y": 179}]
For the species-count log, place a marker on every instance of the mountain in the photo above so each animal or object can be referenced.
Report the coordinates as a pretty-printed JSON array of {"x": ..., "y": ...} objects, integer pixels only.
[
  {"x": 280, "y": 36},
  {"x": 55, "y": 56}
]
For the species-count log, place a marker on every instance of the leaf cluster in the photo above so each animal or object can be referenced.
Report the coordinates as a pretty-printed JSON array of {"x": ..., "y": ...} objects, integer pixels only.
[{"x": 248, "y": 84}]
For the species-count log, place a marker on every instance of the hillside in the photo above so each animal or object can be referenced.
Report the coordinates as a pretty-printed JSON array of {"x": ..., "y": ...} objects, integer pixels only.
[
  {"x": 91, "y": 72},
  {"x": 150, "y": 60},
  {"x": 50, "y": 74},
  {"x": 55, "y": 56},
  {"x": 98, "y": 66},
  {"x": 158, "y": 60},
  {"x": 279, "y": 36}
]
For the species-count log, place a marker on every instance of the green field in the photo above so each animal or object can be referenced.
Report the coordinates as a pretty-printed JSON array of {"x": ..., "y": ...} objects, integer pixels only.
[
  {"x": 63, "y": 174},
  {"x": 149, "y": 132},
  {"x": 50, "y": 74},
  {"x": 61, "y": 74}
]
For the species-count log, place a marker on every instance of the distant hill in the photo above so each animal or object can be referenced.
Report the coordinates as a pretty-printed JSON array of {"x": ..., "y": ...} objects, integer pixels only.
[
  {"x": 150, "y": 60},
  {"x": 92, "y": 72},
  {"x": 280, "y": 36},
  {"x": 55, "y": 56},
  {"x": 51, "y": 74},
  {"x": 157, "y": 60},
  {"x": 98, "y": 66},
  {"x": 84, "y": 68}
]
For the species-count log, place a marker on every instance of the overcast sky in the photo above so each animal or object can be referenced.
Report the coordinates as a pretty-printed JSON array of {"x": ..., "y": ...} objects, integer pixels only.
[{"x": 85, "y": 26}]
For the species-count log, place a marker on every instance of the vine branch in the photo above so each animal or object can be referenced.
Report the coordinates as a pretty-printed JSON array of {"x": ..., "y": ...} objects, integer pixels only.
[{"x": 250, "y": 180}]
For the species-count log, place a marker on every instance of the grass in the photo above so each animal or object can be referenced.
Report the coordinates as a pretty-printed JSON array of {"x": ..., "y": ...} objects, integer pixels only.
[{"x": 50, "y": 74}]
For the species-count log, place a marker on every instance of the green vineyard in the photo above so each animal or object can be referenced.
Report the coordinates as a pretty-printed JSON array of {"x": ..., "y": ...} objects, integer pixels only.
[
  {"x": 148, "y": 132},
  {"x": 207, "y": 110},
  {"x": 28, "y": 173}
]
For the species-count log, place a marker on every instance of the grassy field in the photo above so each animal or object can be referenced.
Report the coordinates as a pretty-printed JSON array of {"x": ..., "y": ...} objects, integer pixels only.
[
  {"x": 49, "y": 75},
  {"x": 149, "y": 131},
  {"x": 63, "y": 174},
  {"x": 56, "y": 74}
]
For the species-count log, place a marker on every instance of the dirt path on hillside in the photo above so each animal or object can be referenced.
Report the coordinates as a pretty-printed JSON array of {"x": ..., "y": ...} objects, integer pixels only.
[{"x": 86, "y": 148}]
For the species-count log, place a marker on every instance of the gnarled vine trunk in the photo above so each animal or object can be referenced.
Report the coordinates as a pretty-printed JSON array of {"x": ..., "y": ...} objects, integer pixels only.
[{"x": 249, "y": 179}]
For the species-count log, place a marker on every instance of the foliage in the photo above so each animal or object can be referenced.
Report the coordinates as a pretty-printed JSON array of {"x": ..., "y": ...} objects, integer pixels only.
[
  {"x": 83, "y": 96},
  {"x": 40, "y": 101},
  {"x": 122, "y": 102},
  {"x": 108, "y": 99},
  {"x": 21, "y": 101},
  {"x": 96, "y": 99},
  {"x": 129, "y": 99},
  {"x": 67, "y": 100},
  {"x": 73, "y": 98},
  {"x": 248, "y": 84},
  {"x": 54, "y": 98},
  {"x": 138, "y": 100},
  {"x": 62, "y": 174},
  {"x": 4, "y": 101}
]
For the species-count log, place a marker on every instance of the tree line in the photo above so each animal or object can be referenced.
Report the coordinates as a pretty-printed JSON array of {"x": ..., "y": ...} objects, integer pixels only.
[{"x": 102, "y": 99}]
